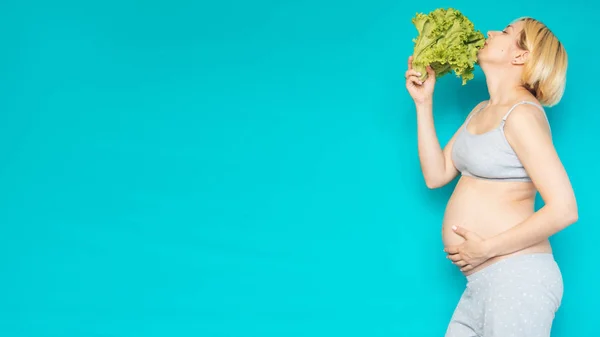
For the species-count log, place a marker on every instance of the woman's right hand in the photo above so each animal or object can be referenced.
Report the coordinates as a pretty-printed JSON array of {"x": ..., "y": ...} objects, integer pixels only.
[{"x": 421, "y": 92}]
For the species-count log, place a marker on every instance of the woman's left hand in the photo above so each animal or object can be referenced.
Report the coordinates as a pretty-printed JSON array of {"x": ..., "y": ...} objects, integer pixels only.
[{"x": 471, "y": 253}]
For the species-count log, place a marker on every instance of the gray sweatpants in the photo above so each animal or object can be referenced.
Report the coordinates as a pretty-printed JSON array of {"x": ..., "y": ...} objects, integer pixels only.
[{"x": 514, "y": 297}]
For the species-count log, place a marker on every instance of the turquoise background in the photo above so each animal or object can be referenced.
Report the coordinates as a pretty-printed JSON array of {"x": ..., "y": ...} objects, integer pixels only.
[{"x": 247, "y": 169}]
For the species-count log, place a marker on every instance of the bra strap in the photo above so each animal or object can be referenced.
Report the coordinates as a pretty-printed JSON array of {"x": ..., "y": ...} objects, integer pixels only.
[{"x": 526, "y": 102}]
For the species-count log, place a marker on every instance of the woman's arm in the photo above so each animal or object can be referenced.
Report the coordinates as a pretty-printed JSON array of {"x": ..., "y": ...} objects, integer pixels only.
[
  {"x": 529, "y": 135},
  {"x": 436, "y": 164}
]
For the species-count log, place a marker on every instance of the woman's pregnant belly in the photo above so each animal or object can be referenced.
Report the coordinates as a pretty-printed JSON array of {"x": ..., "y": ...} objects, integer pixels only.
[{"x": 486, "y": 208}]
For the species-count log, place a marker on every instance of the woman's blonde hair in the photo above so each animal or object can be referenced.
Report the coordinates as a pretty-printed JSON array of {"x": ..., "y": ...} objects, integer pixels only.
[{"x": 545, "y": 71}]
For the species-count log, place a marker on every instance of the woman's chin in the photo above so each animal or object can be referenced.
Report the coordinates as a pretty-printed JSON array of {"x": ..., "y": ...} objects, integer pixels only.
[{"x": 480, "y": 59}]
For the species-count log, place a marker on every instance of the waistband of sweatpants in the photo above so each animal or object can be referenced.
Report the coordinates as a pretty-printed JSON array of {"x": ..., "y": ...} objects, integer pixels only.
[{"x": 549, "y": 257}]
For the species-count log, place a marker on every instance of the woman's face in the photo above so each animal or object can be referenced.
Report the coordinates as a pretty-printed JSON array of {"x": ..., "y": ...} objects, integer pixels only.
[{"x": 501, "y": 46}]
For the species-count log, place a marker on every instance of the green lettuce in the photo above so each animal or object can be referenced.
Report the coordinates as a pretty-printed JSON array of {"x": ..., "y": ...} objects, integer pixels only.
[{"x": 447, "y": 41}]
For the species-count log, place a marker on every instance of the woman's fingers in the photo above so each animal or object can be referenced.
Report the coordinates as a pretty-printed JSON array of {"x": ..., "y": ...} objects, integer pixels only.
[
  {"x": 454, "y": 257},
  {"x": 413, "y": 76},
  {"x": 461, "y": 263},
  {"x": 411, "y": 72},
  {"x": 415, "y": 80},
  {"x": 466, "y": 268},
  {"x": 410, "y": 59}
]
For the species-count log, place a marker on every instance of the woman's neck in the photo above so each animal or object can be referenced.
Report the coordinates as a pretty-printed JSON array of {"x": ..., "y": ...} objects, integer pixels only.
[{"x": 504, "y": 88}]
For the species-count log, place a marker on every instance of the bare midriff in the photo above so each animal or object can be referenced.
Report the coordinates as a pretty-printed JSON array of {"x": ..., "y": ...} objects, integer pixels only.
[{"x": 488, "y": 208}]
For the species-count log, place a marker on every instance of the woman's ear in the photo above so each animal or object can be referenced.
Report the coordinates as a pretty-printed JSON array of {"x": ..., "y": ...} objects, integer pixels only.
[{"x": 521, "y": 57}]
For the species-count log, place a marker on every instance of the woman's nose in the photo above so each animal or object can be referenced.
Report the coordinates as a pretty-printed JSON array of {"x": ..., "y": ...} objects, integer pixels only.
[{"x": 489, "y": 34}]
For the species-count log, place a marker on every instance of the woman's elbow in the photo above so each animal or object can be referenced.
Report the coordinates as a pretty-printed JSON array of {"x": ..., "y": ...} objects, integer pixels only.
[
  {"x": 433, "y": 184},
  {"x": 569, "y": 213},
  {"x": 573, "y": 216}
]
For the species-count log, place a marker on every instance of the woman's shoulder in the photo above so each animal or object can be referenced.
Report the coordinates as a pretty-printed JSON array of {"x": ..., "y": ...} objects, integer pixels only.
[
  {"x": 527, "y": 105},
  {"x": 526, "y": 116}
]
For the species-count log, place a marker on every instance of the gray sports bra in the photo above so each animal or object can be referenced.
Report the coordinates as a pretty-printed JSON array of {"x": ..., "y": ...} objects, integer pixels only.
[{"x": 488, "y": 155}]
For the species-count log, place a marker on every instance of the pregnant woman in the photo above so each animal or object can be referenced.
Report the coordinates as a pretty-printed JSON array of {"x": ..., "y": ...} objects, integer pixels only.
[{"x": 505, "y": 155}]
